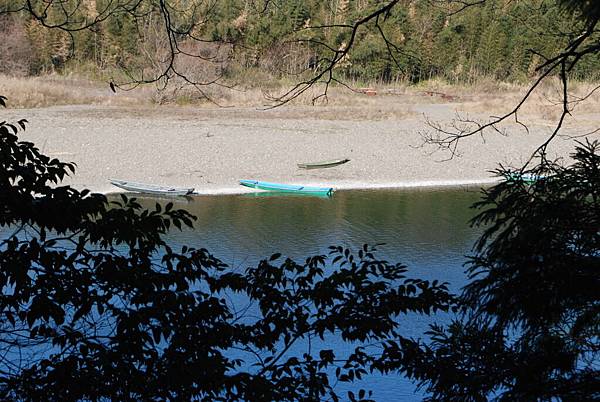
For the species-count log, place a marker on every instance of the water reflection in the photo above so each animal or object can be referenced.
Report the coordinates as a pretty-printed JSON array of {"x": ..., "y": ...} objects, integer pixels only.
[{"x": 427, "y": 230}]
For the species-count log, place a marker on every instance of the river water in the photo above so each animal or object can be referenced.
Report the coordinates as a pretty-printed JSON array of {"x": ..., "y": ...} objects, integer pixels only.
[{"x": 427, "y": 230}]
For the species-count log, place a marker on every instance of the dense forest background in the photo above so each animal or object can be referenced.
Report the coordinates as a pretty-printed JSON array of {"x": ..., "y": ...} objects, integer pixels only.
[{"x": 246, "y": 43}]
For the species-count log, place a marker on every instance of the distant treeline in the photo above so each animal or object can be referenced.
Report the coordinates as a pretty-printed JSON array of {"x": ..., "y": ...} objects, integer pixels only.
[{"x": 501, "y": 39}]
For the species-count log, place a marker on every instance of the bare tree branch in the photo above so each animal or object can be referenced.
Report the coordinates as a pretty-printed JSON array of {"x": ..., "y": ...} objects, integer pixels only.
[
  {"x": 448, "y": 137},
  {"x": 325, "y": 75}
]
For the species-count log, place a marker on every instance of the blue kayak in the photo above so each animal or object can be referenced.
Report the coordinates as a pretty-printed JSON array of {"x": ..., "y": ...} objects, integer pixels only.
[{"x": 287, "y": 188}]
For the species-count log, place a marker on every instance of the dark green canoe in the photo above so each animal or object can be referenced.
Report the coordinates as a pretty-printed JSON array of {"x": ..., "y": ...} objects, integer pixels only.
[{"x": 323, "y": 165}]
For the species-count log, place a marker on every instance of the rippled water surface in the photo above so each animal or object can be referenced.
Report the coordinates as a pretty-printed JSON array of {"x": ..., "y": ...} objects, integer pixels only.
[{"x": 426, "y": 230}]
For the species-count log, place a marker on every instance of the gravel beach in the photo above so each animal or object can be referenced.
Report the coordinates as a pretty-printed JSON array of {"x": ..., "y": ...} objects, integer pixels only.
[{"x": 211, "y": 149}]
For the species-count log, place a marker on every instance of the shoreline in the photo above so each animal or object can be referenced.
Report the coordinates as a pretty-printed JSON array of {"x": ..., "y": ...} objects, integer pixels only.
[{"x": 432, "y": 185}]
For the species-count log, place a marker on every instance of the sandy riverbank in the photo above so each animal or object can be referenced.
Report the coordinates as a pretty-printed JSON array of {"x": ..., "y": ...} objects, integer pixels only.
[{"x": 211, "y": 149}]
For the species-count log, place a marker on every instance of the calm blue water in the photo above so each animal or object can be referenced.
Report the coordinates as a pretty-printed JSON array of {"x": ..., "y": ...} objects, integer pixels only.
[{"x": 426, "y": 230}]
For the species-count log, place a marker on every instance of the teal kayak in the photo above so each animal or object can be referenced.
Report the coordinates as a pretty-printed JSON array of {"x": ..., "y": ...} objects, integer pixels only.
[
  {"x": 527, "y": 178},
  {"x": 287, "y": 188}
]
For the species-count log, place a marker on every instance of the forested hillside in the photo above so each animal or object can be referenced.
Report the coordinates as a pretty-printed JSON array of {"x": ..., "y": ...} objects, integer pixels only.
[{"x": 285, "y": 37}]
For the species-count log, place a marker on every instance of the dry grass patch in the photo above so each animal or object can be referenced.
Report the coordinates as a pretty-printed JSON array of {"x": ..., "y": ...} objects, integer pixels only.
[
  {"x": 31, "y": 92},
  {"x": 484, "y": 97},
  {"x": 339, "y": 104},
  {"x": 545, "y": 103}
]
